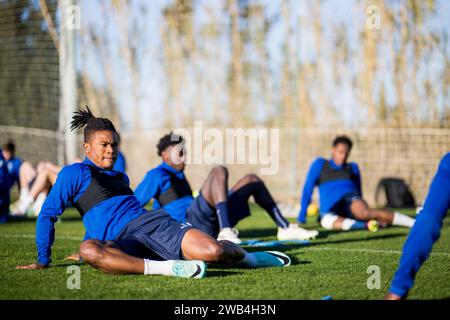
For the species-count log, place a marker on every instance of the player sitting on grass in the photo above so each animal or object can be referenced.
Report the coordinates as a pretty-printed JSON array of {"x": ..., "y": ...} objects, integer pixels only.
[
  {"x": 216, "y": 210},
  {"x": 341, "y": 204},
  {"x": 424, "y": 234},
  {"x": 124, "y": 237},
  {"x": 25, "y": 175}
]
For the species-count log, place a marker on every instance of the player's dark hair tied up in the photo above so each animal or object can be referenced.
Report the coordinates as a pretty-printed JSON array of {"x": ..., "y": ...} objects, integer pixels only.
[{"x": 85, "y": 118}]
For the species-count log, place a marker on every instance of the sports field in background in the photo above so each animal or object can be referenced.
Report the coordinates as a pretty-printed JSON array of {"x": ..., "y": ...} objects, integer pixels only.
[{"x": 334, "y": 265}]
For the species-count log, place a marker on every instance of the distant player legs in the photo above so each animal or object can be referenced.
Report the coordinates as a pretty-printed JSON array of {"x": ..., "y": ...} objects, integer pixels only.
[
  {"x": 361, "y": 211},
  {"x": 215, "y": 187},
  {"x": 26, "y": 174},
  {"x": 46, "y": 177}
]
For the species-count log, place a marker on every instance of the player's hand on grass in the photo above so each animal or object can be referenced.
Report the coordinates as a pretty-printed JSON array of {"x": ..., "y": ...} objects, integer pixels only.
[
  {"x": 392, "y": 296},
  {"x": 33, "y": 266},
  {"x": 73, "y": 257}
]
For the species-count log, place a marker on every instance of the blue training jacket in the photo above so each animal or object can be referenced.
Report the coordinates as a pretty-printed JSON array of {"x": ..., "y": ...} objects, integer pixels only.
[
  {"x": 13, "y": 166},
  {"x": 330, "y": 192},
  {"x": 157, "y": 181},
  {"x": 104, "y": 221},
  {"x": 120, "y": 164}
]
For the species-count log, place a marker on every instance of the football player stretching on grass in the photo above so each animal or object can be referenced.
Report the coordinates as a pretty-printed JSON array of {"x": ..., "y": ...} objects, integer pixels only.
[
  {"x": 341, "y": 204},
  {"x": 424, "y": 234},
  {"x": 216, "y": 210},
  {"x": 124, "y": 237}
]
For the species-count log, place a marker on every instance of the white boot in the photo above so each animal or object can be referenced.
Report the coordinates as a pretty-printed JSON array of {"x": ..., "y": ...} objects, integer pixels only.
[
  {"x": 230, "y": 234},
  {"x": 294, "y": 232}
]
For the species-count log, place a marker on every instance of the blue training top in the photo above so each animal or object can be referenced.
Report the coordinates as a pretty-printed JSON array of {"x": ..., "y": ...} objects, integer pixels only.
[
  {"x": 156, "y": 182},
  {"x": 120, "y": 164},
  {"x": 104, "y": 221},
  {"x": 13, "y": 166},
  {"x": 334, "y": 183}
]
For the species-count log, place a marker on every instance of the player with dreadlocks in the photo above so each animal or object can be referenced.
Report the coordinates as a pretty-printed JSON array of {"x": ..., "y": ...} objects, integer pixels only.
[{"x": 124, "y": 237}]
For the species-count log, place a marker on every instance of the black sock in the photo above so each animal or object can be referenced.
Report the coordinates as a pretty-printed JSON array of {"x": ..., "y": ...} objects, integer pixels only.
[{"x": 264, "y": 200}]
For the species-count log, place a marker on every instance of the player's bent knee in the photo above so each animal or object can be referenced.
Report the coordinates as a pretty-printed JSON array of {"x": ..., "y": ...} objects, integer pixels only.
[
  {"x": 91, "y": 251},
  {"x": 40, "y": 166},
  {"x": 252, "y": 177},
  {"x": 328, "y": 221},
  {"x": 220, "y": 171},
  {"x": 213, "y": 251}
]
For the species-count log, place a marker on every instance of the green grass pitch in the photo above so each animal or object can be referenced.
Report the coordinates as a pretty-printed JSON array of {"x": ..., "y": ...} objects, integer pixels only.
[{"x": 335, "y": 264}]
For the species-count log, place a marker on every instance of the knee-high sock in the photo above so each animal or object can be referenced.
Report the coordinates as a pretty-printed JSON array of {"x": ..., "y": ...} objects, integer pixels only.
[
  {"x": 425, "y": 232},
  {"x": 222, "y": 214},
  {"x": 402, "y": 220},
  {"x": 263, "y": 198}
]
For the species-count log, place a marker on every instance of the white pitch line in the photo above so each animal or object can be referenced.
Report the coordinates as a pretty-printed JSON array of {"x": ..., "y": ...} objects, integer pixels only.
[{"x": 445, "y": 254}]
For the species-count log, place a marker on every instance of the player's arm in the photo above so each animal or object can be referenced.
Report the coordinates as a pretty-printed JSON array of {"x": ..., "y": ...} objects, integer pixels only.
[
  {"x": 66, "y": 187},
  {"x": 148, "y": 188},
  {"x": 308, "y": 188},
  {"x": 425, "y": 232}
]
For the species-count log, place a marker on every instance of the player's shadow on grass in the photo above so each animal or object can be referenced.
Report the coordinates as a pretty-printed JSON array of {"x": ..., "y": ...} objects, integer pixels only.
[
  {"x": 33, "y": 219},
  {"x": 358, "y": 239},
  {"x": 67, "y": 264},
  {"x": 219, "y": 273}
]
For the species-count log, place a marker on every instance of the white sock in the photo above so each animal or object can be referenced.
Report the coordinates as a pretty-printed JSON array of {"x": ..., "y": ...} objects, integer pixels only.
[
  {"x": 158, "y": 267},
  {"x": 347, "y": 224},
  {"x": 24, "y": 194},
  {"x": 328, "y": 220},
  {"x": 402, "y": 220},
  {"x": 249, "y": 261}
]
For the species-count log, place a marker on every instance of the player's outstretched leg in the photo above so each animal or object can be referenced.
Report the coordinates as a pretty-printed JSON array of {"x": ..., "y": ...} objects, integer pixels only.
[
  {"x": 361, "y": 211},
  {"x": 107, "y": 257},
  {"x": 198, "y": 245},
  {"x": 331, "y": 221}
]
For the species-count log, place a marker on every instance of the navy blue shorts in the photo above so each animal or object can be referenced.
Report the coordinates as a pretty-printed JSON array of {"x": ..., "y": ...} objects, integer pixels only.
[
  {"x": 154, "y": 235},
  {"x": 201, "y": 215},
  {"x": 342, "y": 207},
  {"x": 4, "y": 210}
]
